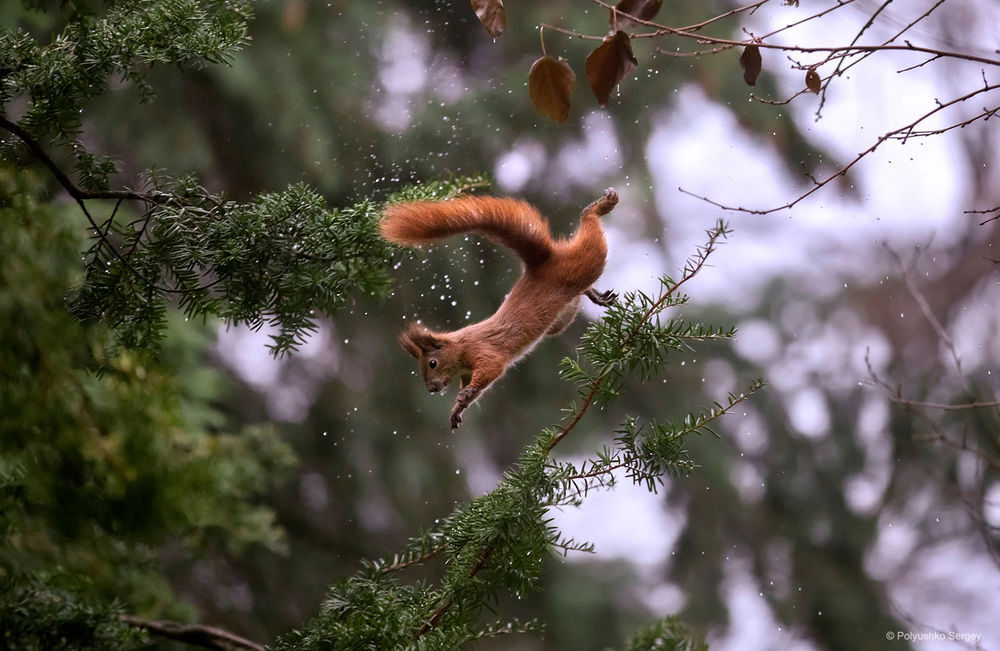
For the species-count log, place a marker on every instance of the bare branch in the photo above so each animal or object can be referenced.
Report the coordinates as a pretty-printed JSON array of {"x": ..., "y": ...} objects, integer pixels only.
[
  {"x": 896, "y": 134},
  {"x": 206, "y": 637},
  {"x": 569, "y": 32},
  {"x": 943, "y": 406},
  {"x": 750, "y": 8},
  {"x": 830, "y": 50}
]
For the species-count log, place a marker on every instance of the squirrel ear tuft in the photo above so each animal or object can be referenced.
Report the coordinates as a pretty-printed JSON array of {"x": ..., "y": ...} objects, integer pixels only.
[{"x": 417, "y": 340}]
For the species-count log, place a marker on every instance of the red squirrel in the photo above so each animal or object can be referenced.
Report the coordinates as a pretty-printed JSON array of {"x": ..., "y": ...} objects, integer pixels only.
[{"x": 543, "y": 301}]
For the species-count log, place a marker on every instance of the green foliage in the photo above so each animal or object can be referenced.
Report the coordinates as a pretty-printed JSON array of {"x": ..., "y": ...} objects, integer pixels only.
[
  {"x": 99, "y": 472},
  {"x": 37, "y": 615},
  {"x": 668, "y": 634},
  {"x": 59, "y": 79}
]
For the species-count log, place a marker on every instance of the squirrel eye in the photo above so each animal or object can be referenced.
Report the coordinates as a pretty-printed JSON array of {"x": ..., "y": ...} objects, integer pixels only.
[{"x": 433, "y": 363}]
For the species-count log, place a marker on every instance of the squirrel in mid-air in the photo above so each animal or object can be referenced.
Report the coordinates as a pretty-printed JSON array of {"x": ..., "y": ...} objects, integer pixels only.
[{"x": 543, "y": 301}]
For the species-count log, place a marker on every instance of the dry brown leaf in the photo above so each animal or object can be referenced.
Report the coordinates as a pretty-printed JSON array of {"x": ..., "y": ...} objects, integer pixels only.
[
  {"x": 751, "y": 63},
  {"x": 550, "y": 84},
  {"x": 641, "y": 9},
  {"x": 608, "y": 65},
  {"x": 812, "y": 80},
  {"x": 492, "y": 15}
]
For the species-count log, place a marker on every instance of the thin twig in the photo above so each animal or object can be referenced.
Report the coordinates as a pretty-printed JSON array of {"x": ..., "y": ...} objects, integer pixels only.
[
  {"x": 986, "y": 114},
  {"x": 569, "y": 32},
  {"x": 750, "y": 8},
  {"x": 916, "y": 407},
  {"x": 595, "y": 386}
]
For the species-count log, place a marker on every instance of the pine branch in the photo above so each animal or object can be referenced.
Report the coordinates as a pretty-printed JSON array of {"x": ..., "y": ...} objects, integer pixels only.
[{"x": 595, "y": 387}]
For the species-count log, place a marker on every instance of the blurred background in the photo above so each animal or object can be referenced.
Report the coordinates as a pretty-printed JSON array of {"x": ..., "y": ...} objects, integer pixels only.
[{"x": 838, "y": 505}]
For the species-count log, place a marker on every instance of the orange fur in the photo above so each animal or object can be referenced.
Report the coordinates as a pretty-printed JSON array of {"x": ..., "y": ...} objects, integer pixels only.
[{"x": 544, "y": 300}]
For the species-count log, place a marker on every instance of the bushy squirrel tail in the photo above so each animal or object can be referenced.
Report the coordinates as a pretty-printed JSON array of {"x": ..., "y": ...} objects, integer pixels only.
[{"x": 511, "y": 222}]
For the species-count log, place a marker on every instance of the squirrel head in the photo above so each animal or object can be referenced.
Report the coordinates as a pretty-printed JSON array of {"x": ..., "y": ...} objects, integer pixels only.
[{"x": 435, "y": 353}]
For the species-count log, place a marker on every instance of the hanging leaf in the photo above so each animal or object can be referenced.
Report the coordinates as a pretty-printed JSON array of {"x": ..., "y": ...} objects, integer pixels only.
[
  {"x": 550, "y": 84},
  {"x": 750, "y": 60},
  {"x": 812, "y": 80},
  {"x": 492, "y": 15},
  {"x": 641, "y": 9},
  {"x": 608, "y": 65}
]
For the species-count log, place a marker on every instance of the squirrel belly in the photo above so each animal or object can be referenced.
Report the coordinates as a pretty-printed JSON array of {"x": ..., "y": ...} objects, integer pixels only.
[{"x": 544, "y": 300}]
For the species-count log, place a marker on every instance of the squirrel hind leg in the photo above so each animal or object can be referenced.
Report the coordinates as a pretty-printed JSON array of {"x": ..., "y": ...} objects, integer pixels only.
[{"x": 564, "y": 318}]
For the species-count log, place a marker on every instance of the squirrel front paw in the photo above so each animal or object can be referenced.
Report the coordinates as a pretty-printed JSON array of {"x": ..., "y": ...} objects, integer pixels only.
[
  {"x": 464, "y": 399},
  {"x": 604, "y": 299}
]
